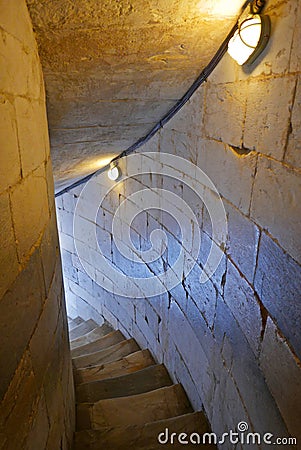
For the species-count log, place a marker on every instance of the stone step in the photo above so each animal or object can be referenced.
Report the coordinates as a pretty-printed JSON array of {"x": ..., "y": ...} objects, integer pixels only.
[
  {"x": 92, "y": 336},
  {"x": 129, "y": 364},
  {"x": 138, "y": 409},
  {"x": 78, "y": 320},
  {"x": 73, "y": 323},
  {"x": 113, "y": 353},
  {"x": 101, "y": 343},
  {"x": 145, "y": 380},
  {"x": 82, "y": 329},
  {"x": 138, "y": 437}
]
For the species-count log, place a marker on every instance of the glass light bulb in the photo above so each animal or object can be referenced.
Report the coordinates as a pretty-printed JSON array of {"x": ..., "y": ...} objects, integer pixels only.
[
  {"x": 245, "y": 40},
  {"x": 114, "y": 173}
]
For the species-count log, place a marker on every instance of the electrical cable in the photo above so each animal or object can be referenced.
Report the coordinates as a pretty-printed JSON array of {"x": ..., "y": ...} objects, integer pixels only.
[{"x": 173, "y": 110}]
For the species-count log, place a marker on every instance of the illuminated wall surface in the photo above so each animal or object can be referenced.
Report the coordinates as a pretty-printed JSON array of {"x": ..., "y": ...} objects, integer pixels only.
[
  {"x": 36, "y": 389},
  {"x": 234, "y": 342}
]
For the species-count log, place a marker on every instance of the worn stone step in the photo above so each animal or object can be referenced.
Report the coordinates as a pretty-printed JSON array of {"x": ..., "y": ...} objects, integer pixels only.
[
  {"x": 138, "y": 409},
  {"x": 129, "y": 364},
  {"x": 92, "y": 336},
  {"x": 101, "y": 343},
  {"x": 73, "y": 323},
  {"x": 82, "y": 329},
  {"x": 145, "y": 380},
  {"x": 113, "y": 353},
  {"x": 138, "y": 437},
  {"x": 78, "y": 320}
]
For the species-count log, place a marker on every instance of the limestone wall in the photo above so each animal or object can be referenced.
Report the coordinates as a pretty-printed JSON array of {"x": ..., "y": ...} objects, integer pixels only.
[
  {"x": 36, "y": 389},
  {"x": 233, "y": 342}
]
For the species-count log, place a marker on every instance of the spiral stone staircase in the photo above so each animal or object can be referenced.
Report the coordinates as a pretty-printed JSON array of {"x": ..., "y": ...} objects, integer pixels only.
[{"x": 124, "y": 399}]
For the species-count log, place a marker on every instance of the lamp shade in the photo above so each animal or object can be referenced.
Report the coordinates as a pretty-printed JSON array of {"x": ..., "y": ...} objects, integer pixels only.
[{"x": 250, "y": 39}]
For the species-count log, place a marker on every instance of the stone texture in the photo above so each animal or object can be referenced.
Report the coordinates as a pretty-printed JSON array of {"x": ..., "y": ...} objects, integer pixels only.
[
  {"x": 223, "y": 417},
  {"x": 54, "y": 438},
  {"x": 73, "y": 323},
  {"x": 199, "y": 367},
  {"x": 189, "y": 120},
  {"x": 242, "y": 365},
  {"x": 278, "y": 273},
  {"x": 179, "y": 144},
  {"x": 9, "y": 155},
  {"x": 232, "y": 174},
  {"x": 14, "y": 81},
  {"x": 82, "y": 329},
  {"x": 49, "y": 251},
  {"x": 268, "y": 115},
  {"x": 295, "y": 60},
  {"x": 148, "y": 407},
  {"x": 282, "y": 373},
  {"x": 146, "y": 330},
  {"x": 204, "y": 295},
  {"x": 92, "y": 336},
  {"x": 32, "y": 133},
  {"x": 34, "y": 349},
  {"x": 199, "y": 325},
  {"x": 15, "y": 421},
  {"x": 135, "y": 361},
  {"x": 98, "y": 344},
  {"x": 26, "y": 296},
  {"x": 242, "y": 243},
  {"x": 15, "y": 20},
  {"x": 206, "y": 245},
  {"x": 224, "y": 112},
  {"x": 70, "y": 272},
  {"x": 145, "y": 436},
  {"x": 40, "y": 427},
  {"x": 110, "y": 354},
  {"x": 29, "y": 221},
  {"x": 8, "y": 256},
  {"x": 89, "y": 117},
  {"x": 66, "y": 220},
  {"x": 276, "y": 197},
  {"x": 42, "y": 340},
  {"x": 49, "y": 178},
  {"x": 67, "y": 243},
  {"x": 293, "y": 151},
  {"x": 144, "y": 380},
  {"x": 244, "y": 306},
  {"x": 82, "y": 301}
]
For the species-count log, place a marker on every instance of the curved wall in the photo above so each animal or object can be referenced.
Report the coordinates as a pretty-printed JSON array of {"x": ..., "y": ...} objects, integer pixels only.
[
  {"x": 235, "y": 341},
  {"x": 36, "y": 389}
]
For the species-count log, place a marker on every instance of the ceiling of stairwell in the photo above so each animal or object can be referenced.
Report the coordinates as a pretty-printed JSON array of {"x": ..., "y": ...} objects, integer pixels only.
[{"x": 112, "y": 68}]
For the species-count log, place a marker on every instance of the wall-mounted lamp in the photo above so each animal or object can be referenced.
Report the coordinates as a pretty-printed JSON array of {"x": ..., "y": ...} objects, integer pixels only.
[
  {"x": 114, "y": 172},
  {"x": 250, "y": 39}
]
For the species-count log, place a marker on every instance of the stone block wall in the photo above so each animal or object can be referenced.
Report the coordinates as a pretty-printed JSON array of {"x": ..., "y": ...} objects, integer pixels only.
[
  {"x": 233, "y": 342},
  {"x": 36, "y": 389}
]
